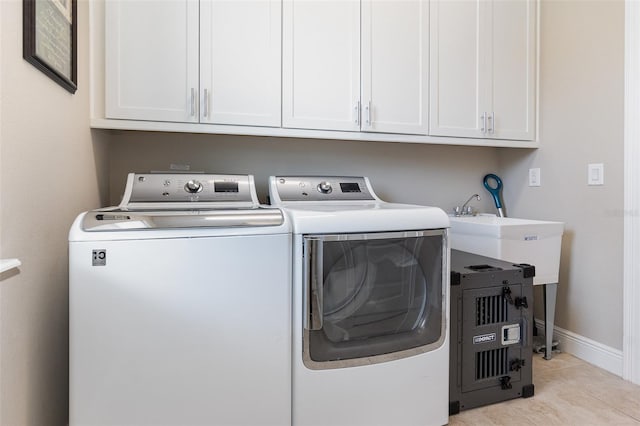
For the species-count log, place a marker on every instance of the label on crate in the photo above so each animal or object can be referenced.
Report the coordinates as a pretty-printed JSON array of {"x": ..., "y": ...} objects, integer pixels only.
[{"x": 484, "y": 338}]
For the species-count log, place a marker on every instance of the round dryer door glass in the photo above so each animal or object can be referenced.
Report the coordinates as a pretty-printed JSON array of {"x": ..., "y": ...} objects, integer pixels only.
[
  {"x": 373, "y": 294},
  {"x": 372, "y": 289}
]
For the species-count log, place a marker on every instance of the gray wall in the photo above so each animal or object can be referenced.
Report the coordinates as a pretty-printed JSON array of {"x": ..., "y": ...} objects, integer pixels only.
[
  {"x": 427, "y": 174},
  {"x": 581, "y": 122},
  {"x": 51, "y": 169}
]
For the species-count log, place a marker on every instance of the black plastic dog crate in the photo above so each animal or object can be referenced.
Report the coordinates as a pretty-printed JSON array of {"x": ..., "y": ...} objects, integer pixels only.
[{"x": 491, "y": 331}]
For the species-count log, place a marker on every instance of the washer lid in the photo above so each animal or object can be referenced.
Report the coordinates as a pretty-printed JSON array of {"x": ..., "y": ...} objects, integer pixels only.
[{"x": 118, "y": 219}]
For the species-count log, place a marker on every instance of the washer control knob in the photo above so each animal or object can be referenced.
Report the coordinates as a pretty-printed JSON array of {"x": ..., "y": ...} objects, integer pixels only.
[
  {"x": 193, "y": 186},
  {"x": 325, "y": 187}
]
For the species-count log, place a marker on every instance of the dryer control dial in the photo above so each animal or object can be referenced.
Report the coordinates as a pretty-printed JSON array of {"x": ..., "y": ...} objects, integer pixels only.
[
  {"x": 193, "y": 186},
  {"x": 324, "y": 187}
]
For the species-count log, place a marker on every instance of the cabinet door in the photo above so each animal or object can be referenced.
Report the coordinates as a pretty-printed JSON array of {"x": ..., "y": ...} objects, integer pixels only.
[
  {"x": 151, "y": 56},
  {"x": 321, "y": 64},
  {"x": 395, "y": 49},
  {"x": 513, "y": 80},
  {"x": 458, "y": 68},
  {"x": 240, "y": 62}
]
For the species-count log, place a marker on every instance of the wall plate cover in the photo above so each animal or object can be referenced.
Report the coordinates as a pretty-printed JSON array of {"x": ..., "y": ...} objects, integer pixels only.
[
  {"x": 534, "y": 177},
  {"x": 595, "y": 174}
]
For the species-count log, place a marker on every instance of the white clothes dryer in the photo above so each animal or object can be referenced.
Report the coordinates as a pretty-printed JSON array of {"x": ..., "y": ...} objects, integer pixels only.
[
  {"x": 179, "y": 305},
  {"x": 370, "y": 305}
]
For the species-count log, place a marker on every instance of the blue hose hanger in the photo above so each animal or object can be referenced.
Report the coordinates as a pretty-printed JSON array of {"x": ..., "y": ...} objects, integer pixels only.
[{"x": 493, "y": 184}]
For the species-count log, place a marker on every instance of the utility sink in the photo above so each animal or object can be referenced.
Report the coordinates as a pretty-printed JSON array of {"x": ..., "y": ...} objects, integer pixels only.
[{"x": 535, "y": 242}]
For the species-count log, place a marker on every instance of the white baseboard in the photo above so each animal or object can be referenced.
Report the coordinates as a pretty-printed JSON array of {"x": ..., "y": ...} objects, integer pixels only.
[{"x": 593, "y": 352}]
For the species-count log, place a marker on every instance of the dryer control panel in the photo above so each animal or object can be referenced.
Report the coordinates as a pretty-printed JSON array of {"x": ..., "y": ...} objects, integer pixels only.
[{"x": 321, "y": 188}]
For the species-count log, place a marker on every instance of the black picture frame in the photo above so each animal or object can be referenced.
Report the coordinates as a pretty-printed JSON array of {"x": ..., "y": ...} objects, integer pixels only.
[{"x": 50, "y": 39}]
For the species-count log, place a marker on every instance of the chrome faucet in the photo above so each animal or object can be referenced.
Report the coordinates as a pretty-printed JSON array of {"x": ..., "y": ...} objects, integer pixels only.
[{"x": 466, "y": 209}]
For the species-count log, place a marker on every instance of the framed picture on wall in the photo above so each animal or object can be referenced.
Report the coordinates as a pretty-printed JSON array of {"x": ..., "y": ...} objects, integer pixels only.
[{"x": 50, "y": 39}]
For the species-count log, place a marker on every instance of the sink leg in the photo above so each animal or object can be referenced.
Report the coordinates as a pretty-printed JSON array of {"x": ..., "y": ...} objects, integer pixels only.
[{"x": 550, "y": 291}]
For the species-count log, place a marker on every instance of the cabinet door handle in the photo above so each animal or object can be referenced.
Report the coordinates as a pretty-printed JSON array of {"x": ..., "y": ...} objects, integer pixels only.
[
  {"x": 483, "y": 122},
  {"x": 368, "y": 112},
  {"x": 206, "y": 103},
  {"x": 193, "y": 101},
  {"x": 491, "y": 123},
  {"x": 357, "y": 112}
]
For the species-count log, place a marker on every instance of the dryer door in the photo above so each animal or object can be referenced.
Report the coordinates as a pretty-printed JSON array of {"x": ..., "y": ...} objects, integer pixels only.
[{"x": 374, "y": 294}]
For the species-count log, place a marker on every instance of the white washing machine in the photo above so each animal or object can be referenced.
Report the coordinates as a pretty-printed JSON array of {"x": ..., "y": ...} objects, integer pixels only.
[
  {"x": 370, "y": 305},
  {"x": 179, "y": 305}
]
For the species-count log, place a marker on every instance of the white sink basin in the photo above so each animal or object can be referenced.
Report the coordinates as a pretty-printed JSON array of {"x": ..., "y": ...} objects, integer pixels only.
[
  {"x": 505, "y": 227},
  {"x": 535, "y": 242}
]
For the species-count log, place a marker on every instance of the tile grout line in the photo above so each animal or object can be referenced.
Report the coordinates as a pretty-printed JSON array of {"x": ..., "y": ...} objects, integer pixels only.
[{"x": 619, "y": 410}]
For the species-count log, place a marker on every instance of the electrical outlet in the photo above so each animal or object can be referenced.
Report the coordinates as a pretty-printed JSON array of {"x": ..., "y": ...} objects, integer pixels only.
[
  {"x": 534, "y": 177},
  {"x": 595, "y": 174}
]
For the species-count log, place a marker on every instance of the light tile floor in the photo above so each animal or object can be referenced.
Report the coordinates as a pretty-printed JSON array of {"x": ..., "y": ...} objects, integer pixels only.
[{"x": 568, "y": 391}]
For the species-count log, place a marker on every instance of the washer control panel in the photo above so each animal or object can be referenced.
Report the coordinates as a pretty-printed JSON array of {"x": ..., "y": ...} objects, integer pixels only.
[
  {"x": 322, "y": 188},
  {"x": 188, "y": 188}
]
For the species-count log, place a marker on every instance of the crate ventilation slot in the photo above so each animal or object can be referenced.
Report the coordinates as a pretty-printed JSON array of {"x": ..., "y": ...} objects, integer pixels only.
[
  {"x": 491, "y": 310},
  {"x": 491, "y": 363}
]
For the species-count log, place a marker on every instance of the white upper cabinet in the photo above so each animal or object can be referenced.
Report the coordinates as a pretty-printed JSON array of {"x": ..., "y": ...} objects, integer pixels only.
[
  {"x": 240, "y": 62},
  {"x": 513, "y": 88},
  {"x": 321, "y": 64},
  {"x": 395, "y": 66},
  {"x": 424, "y": 71},
  {"x": 209, "y": 61},
  {"x": 151, "y": 57},
  {"x": 483, "y": 69},
  {"x": 455, "y": 69},
  {"x": 356, "y": 66}
]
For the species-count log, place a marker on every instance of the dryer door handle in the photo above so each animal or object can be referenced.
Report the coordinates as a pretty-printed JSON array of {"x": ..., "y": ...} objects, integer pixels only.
[{"x": 313, "y": 284}]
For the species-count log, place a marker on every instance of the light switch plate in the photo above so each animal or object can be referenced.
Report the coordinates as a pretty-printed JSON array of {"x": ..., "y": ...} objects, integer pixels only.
[
  {"x": 534, "y": 177},
  {"x": 595, "y": 174}
]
